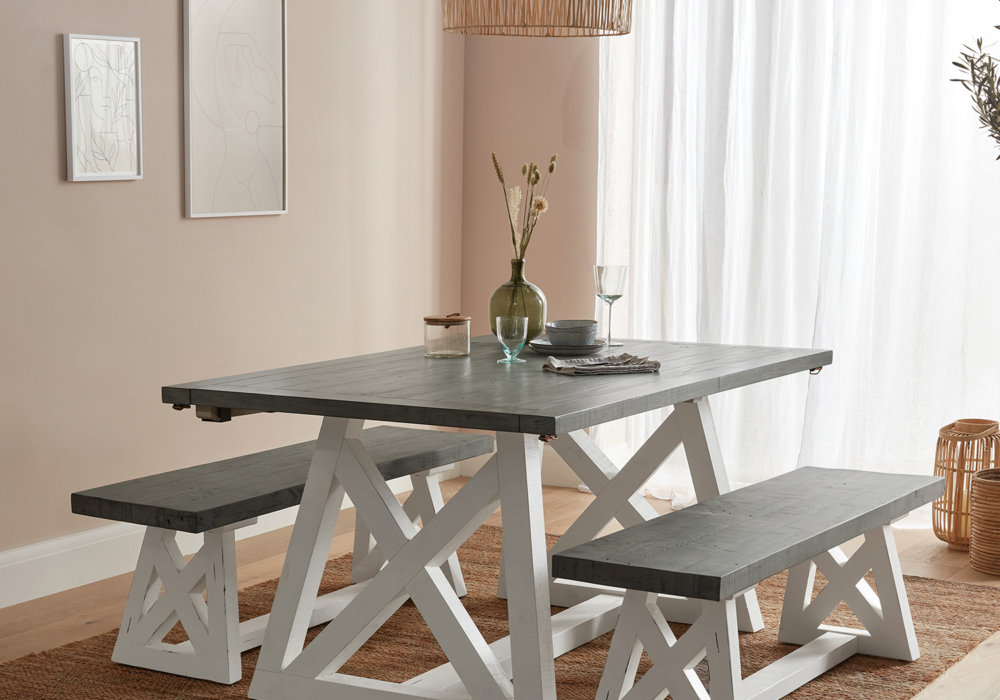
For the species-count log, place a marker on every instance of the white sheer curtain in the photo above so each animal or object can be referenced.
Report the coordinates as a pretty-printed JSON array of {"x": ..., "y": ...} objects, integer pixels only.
[{"x": 782, "y": 172}]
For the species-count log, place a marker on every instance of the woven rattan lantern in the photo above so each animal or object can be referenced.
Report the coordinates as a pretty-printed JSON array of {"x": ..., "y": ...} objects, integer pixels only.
[
  {"x": 538, "y": 17},
  {"x": 984, "y": 544},
  {"x": 964, "y": 447}
]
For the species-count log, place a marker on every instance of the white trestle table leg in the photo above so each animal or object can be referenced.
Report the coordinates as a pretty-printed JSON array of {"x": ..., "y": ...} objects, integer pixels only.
[
  {"x": 519, "y": 465},
  {"x": 413, "y": 570},
  {"x": 708, "y": 474},
  {"x": 307, "y": 550},
  {"x": 616, "y": 492},
  {"x": 617, "y": 498},
  {"x": 422, "y": 504},
  {"x": 427, "y": 502},
  {"x": 616, "y": 495}
]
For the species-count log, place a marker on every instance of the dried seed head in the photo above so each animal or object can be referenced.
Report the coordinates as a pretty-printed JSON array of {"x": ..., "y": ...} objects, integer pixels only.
[{"x": 496, "y": 166}]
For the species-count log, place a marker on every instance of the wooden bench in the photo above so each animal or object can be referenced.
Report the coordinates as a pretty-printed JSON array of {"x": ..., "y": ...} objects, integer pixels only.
[
  {"x": 717, "y": 549},
  {"x": 217, "y": 499}
]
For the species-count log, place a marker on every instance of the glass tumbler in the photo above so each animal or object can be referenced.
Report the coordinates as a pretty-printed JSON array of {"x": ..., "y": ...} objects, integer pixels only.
[{"x": 512, "y": 332}]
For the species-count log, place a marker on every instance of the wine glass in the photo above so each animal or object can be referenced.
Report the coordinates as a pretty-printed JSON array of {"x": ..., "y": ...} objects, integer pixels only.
[
  {"x": 512, "y": 331},
  {"x": 609, "y": 285}
]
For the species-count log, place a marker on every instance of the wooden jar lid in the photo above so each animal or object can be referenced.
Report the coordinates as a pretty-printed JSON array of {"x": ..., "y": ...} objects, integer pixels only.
[{"x": 450, "y": 320}]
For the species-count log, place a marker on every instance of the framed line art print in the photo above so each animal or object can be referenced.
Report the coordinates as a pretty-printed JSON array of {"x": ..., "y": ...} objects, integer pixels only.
[
  {"x": 103, "y": 108},
  {"x": 235, "y": 116}
]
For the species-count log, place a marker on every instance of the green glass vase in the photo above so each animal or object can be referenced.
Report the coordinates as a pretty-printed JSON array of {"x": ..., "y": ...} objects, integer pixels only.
[{"x": 519, "y": 297}]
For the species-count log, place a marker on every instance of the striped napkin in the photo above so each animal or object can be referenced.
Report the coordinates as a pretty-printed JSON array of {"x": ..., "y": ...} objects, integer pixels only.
[{"x": 613, "y": 364}]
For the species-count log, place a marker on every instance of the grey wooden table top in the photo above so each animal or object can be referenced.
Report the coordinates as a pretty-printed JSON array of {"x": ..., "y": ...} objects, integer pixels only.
[{"x": 475, "y": 392}]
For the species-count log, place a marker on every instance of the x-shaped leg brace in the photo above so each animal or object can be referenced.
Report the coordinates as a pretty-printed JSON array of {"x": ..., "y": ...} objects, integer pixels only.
[
  {"x": 617, "y": 495},
  {"x": 413, "y": 571},
  {"x": 641, "y": 625},
  {"x": 423, "y": 503}
]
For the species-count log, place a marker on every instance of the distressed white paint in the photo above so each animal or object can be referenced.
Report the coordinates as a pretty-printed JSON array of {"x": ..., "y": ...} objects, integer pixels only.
[{"x": 213, "y": 651}]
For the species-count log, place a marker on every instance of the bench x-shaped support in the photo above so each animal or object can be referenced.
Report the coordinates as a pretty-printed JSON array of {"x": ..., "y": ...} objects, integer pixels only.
[
  {"x": 641, "y": 625},
  {"x": 886, "y": 615},
  {"x": 617, "y": 495},
  {"x": 888, "y": 632},
  {"x": 341, "y": 463},
  {"x": 212, "y": 651}
]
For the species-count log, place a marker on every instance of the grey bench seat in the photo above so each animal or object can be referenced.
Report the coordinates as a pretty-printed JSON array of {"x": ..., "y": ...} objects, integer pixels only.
[
  {"x": 220, "y": 497},
  {"x": 208, "y": 496},
  {"x": 716, "y": 549}
]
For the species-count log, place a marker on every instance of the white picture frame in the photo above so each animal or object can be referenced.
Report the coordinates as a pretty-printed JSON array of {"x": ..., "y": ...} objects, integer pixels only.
[
  {"x": 235, "y": 108},
  {"x": 103, "y": 107}
]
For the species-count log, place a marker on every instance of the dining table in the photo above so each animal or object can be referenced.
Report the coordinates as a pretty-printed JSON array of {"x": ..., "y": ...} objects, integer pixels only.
[{"x": 526, "y": 408}]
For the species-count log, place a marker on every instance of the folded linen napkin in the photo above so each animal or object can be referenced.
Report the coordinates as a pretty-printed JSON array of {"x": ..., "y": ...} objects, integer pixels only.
[{"x": 614, "y": 364}]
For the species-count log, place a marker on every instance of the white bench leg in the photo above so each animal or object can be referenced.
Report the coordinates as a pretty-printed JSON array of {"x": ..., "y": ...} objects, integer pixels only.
[
  {"x": 425, "y": 501},
  {"x": 213, "y": 650},
  {"x": 642, "y": 626},
  {"x": 885, "y": 614},
  {"x": 626, "y": 649},
  {"x": 723, "y": 655},
  {"x": 713, "y": 636},
  {"x": 216, "y": 636}
]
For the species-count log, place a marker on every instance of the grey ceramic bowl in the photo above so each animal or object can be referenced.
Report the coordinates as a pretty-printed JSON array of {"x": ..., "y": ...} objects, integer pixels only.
[{"x": 571, "y": 332}]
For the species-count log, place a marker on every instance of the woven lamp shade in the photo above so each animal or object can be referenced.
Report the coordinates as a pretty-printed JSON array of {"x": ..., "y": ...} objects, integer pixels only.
[
  {"x": 552, "y": 18},
  {"x": 964, "y": 448}
]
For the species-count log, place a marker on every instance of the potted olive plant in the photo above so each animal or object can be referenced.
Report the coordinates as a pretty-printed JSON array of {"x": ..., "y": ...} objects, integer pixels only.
[{"x": 981, "y": 79}]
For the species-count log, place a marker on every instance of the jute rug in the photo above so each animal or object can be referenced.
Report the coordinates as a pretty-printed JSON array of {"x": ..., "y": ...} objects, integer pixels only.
[{"x": 950, "y": 619}]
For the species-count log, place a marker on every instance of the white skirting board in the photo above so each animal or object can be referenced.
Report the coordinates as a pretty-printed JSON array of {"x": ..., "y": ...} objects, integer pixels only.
[{"x": 47, "y": 567}]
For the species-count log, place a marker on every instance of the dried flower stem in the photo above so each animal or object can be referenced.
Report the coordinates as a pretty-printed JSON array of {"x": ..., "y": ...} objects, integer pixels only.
[
  {"x": 536, "y": 204},
  {"x": 503, "y": 186}
]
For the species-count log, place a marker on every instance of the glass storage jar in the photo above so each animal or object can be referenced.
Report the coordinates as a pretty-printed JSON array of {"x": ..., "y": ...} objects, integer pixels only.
[{"x": 446, "y": 336}]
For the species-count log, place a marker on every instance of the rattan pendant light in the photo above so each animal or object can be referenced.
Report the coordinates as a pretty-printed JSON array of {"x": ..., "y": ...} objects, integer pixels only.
[{"x": 538, "y": 17}]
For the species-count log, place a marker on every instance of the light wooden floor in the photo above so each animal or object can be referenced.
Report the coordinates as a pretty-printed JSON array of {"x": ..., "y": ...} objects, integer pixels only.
[{"x": 89, "y": 610}]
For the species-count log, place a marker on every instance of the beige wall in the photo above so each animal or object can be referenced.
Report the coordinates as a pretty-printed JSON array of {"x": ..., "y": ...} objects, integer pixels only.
[
  {"x": 527, "y": 99},
  {"x": 109, "y": 293}
]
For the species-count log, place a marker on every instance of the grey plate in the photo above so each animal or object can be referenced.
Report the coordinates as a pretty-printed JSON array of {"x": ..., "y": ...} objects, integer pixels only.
[{"x": 544, "y": 347}]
